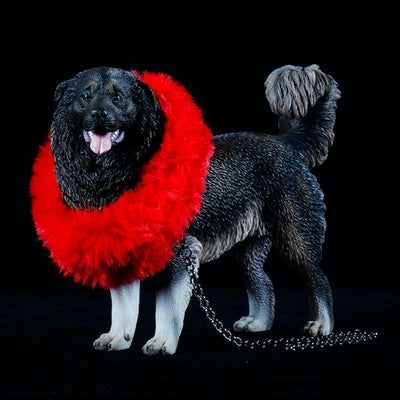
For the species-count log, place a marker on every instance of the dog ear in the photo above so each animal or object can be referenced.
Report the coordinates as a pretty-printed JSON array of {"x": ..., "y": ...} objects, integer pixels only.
[
  {"x": 151, "y": 106},
  {"x": 60, "y": 90},
  {"x": 148, "y": 92}
]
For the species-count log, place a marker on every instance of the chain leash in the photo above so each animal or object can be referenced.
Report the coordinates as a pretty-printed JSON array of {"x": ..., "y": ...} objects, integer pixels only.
[{"x": 293, "y": 343}]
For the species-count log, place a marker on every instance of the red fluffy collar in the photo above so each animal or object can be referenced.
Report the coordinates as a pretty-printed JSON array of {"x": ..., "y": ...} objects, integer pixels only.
[{"x": 133, "y": 237}]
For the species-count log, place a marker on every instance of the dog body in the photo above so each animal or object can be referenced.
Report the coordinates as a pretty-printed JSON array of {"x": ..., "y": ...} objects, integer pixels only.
[{"x": 259, "y": 191}]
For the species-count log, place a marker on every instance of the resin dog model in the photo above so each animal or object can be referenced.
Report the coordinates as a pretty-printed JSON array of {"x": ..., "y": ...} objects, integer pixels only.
[{"x": 130, "y": 174}]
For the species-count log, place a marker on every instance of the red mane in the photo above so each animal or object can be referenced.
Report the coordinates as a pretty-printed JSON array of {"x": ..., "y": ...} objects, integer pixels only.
[{"x": 133, "y": 237}]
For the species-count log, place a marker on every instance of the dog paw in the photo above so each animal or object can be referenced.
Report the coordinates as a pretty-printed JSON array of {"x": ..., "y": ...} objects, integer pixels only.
[
  {"x": 250, "y": 324},
  {"x": 112, "y": 342},
  {"x": 315, "y": 328},
  {"x": 158, "y": 345}
]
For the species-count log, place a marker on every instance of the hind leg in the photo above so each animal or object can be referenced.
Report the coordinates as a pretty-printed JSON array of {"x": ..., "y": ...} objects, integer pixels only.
[
  {"x": 320, "y": 303},
  {"x": 299, "y": 238},
  {"x": 259, "y": 288}
]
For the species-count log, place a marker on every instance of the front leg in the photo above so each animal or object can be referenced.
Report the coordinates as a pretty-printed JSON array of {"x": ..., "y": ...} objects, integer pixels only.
[
  {"x": 172, "y": 298},
  {"x": 124, "y": 315}
]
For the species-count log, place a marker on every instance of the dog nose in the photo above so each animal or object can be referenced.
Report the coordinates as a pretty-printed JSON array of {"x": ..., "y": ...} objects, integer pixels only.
[{"x": 99, "y": 114}]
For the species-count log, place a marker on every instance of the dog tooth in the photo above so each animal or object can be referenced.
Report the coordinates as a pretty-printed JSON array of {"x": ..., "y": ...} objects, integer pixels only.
[
  {"x": 120, "y": 136},
  {"x": 87, "y": 135},
  {"x": 115, "y": 135}
]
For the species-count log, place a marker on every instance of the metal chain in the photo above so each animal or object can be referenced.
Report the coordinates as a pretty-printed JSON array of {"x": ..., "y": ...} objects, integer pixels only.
[{"x": 292, "y": 343}]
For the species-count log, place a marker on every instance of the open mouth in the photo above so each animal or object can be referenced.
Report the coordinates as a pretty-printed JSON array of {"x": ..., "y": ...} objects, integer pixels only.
[{"x": 100, "y": 144}]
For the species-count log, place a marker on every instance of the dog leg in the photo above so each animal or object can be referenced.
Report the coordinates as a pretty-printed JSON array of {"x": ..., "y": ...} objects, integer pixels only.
[
  {"x": 172, "y": 298},
  {"x": 299, "y": 237},
  {"x": 260, "y": 291},
  {"x": 320, "y": 300},
  {"x": 124, "y": 315},
  {"x": 320, "y": 304}
]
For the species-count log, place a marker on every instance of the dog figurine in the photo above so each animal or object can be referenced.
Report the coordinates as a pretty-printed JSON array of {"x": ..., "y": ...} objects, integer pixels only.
[{"x": 130, "y": 174}]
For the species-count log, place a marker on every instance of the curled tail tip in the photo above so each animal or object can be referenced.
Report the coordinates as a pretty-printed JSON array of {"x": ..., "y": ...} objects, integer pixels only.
[{"x": 292, "y": 90}]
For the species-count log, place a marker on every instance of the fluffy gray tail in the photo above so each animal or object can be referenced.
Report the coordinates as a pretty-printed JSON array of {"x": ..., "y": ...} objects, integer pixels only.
[{"x": 305, "y": 99}]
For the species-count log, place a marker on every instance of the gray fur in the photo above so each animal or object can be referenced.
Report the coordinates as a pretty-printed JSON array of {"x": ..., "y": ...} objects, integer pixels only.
[
  {"x": 249, "y": 224},
  {"x": 291, "y": 91},
  {"x": 260, "y": 290}
]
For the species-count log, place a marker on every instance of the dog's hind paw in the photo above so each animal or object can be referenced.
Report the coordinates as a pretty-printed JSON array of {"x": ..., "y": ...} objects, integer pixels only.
[
  {"x": 250, "y": 324},
  {"x": 315, "y": 328},
  {"x": 158, "y": 345},
  {"x": 112, "y": 342}
]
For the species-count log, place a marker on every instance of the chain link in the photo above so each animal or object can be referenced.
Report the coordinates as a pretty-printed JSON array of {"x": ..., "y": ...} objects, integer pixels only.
[{"x": 292, "y": 343}]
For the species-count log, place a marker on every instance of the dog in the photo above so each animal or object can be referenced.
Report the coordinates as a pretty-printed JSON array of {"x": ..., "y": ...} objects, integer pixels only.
[{"x": 254, "y": 191}]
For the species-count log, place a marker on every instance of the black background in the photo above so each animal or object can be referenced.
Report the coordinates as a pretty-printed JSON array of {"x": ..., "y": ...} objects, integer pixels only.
[{"x": 222, "y": 54}]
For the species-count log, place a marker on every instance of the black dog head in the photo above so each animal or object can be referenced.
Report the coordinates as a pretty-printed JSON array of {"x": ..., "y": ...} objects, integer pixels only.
[{"x": 106, "y": 125}]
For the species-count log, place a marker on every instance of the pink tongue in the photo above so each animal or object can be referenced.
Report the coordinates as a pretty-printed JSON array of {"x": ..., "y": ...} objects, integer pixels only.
[{"x": 101, "y": 143}]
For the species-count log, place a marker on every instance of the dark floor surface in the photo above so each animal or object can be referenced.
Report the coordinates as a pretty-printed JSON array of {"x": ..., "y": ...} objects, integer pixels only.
[
  {"x": 223, "y": 57},
  {"x": 47, "y": 336}
]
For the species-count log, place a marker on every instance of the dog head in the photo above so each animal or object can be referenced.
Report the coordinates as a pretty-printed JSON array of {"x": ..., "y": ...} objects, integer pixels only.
[{"x": 106, "y": 125}]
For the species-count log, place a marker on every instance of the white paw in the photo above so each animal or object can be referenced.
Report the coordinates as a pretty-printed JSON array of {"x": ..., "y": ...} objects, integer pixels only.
[
  {"x": 112, "y": 342},
  {"x": 250, "y": 324},
  {"x": 158, "y": 345},
  {"x": 315, "y": 328}
]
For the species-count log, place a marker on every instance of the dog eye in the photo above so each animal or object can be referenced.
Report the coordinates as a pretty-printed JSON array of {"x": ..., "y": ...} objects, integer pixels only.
[
  {"x": 86, "y": 95},
  {"x": 116, "y": 97}
]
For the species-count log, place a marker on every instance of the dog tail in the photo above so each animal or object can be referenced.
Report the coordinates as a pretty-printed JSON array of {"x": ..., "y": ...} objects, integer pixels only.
[{"x": 305, "y": 99}]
